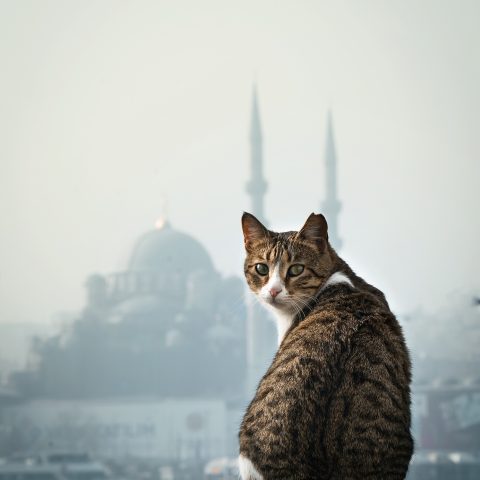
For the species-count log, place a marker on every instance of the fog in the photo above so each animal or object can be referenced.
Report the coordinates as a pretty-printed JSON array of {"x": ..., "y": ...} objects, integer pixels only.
[
  {"x": 115, "y": 114},
  {"x": 108, "y": 107}
]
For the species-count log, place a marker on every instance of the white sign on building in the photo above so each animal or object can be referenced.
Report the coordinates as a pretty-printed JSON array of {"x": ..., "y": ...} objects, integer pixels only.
[{"x": 173, "y": 429}]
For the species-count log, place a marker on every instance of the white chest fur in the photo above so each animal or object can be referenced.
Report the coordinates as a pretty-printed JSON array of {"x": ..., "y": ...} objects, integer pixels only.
[
  {"x": 284, "y": 321},
  {"x": 247, "y": 469}
]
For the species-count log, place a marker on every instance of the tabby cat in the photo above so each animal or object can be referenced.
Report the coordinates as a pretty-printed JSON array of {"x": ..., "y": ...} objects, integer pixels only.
[{"x": 335, "y": 402}]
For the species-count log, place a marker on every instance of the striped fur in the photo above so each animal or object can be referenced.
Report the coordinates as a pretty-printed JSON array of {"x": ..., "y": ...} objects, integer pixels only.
[{"x": 335, "y": 402}]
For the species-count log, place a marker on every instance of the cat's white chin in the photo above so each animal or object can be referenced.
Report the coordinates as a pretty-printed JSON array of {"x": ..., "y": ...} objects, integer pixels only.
[{"x": 276, "y": 304}]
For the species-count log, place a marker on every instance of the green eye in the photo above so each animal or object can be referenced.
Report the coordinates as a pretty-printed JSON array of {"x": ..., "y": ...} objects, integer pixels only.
[
  {"x": 295, "y": 270},
  {"x": 261, "y": 269}
]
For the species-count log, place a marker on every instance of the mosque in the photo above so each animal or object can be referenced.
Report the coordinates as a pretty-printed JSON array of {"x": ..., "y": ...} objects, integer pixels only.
[
  {"x": 163, "y": 358},
  {"x": 171, "y": 272}
]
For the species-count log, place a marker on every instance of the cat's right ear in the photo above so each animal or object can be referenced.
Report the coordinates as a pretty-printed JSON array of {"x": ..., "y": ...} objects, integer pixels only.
[
  {"x": 316, "y": 230},
  {"x": 253, "y": 230}
]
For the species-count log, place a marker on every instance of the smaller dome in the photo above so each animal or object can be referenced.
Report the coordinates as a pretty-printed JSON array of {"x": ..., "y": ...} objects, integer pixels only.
[{"x": 168, "y": 251}]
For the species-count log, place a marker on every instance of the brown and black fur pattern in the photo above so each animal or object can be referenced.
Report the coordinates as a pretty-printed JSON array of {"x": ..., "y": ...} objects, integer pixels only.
[{"x": 335, "y": 402}]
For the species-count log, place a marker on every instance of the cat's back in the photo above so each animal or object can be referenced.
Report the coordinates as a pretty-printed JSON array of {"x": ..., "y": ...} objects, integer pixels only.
[
  {"x": 342, "y": 320},
  {"x": 338, "y": 386},
  {"x": 368, "y": 414}
]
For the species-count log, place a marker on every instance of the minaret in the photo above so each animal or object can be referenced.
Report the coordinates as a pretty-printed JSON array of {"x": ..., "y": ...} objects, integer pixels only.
[
  {"x": 256, "y": 186},
  {"x": 261, "y": 335},
  {"x": 331, "y": 205}
]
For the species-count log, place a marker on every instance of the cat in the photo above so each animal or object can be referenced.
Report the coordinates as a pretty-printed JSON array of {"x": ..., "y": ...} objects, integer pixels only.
[{"x": 335, "y": 402}]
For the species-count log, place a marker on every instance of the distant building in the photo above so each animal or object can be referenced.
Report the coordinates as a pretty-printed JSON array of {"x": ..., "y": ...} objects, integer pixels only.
[
  {"x": 155, "y": 359},
  {"x": 168, "y": 318}
]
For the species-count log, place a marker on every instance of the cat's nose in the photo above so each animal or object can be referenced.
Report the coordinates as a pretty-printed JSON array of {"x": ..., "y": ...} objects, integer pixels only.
[{"x": 275, "y": 291}]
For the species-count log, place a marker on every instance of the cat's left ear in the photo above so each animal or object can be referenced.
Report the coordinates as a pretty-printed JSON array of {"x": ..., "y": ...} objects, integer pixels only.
[
  {"x": 316, "y": 230},
  {"x": 253, "y": 230}
]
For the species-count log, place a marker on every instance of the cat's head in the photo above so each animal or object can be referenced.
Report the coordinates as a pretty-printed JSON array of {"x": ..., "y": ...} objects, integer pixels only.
[{"x": 286, "y": 269}]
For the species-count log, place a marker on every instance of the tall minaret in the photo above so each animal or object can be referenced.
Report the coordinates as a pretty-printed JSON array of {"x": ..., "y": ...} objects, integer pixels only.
[
  {"x": 261, "y": 335},
  {"x": 256, "y": 186},
  {"x": 331, "y": 205}
]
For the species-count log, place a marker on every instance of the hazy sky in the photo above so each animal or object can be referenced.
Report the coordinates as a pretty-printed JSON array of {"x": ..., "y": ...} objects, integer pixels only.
[{"x": 107, "y": 106}]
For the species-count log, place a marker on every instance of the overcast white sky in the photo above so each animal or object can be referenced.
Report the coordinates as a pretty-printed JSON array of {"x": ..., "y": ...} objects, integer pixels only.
[{"x": 107, "y": 106}]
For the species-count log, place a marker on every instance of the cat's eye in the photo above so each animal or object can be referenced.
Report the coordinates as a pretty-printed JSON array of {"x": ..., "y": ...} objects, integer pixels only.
[
  {"x": 295, "y": 270},
  {"x": 261, "y": 269}
]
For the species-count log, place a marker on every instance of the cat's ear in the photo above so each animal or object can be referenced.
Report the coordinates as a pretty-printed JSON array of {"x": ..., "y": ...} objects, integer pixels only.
[
  {"x": 316, "y": 230},
  {"x": 253, "y": 230}
]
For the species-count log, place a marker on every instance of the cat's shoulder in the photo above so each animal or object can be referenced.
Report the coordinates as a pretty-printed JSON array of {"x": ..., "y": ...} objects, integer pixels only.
[
  {"x": 351, "y": 297},
  {"x": 342, "y": 309}
]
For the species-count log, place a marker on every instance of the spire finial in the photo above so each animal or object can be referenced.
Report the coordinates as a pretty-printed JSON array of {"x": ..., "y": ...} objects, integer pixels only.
[{"x": 162, "y": 220}]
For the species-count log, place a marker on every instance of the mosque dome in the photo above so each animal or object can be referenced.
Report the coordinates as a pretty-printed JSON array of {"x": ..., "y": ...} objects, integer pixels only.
[{"x": 169, "y": 251}]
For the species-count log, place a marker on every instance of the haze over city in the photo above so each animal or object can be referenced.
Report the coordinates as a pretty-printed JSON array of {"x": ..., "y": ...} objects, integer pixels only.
[
  {"x": 134, "y": 134},
  {"x": 110, "y": 107}
]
